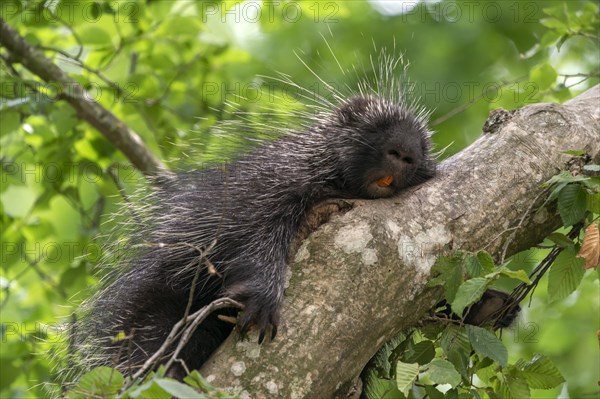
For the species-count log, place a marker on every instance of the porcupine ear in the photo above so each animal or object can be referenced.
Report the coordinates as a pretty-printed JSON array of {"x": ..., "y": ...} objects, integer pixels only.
[{"x": 351, "y": 109}]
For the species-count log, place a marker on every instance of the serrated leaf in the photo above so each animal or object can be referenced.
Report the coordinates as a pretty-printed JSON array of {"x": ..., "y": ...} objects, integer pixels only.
[
  {"x": 378, "y": 388},
  {"x": 565, "y": 275},
  {"x": 196, "y": 380},
  {"x": 593, "y": 203},
  {"x": 433, "y": 393},
  {"x": 456, "y": 346},
  {"x": 564, "y": 177},
  {"x": 474, "y": 268},
  {"x": 480, "y": 264},
  {"x": 421, "y": 352},
  {"x": 486, "y": 261},
  {"x": 541, "y": 373},
  {"x": 486, "y": 344},
  {"x": 468, "y": 293},
  {"x": 520, "y": 275},
  {"x": 572, "y": 204},
  {"x": 148, "y": 390},
  {"x": 451, "y": 275},
  {"x": 513, "y": 387},
  {"x": 99, "y": 382},
  {"x": 561, "y": 240},
  {"x": 431, "y": 330},
  {"x": 590, "y": 249},
  {"x": 443, "y": 372},
  {"x": 406, "y": 375},
  {"x": 178, "y": 389},
  {"x": 486, "y": 373}
]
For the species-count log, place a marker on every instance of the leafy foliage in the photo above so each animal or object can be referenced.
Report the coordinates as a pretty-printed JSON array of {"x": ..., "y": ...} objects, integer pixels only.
[{"x": 462, "y": 350}]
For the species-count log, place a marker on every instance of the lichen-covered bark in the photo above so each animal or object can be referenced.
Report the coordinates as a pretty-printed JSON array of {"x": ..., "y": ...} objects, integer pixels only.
[{"x": 361, "y": 278}]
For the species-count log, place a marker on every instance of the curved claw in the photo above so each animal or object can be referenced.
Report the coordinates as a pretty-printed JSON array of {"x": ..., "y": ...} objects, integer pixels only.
[
  {"x": 261, "y": 317},
  {"x": 273, "y": 331}
]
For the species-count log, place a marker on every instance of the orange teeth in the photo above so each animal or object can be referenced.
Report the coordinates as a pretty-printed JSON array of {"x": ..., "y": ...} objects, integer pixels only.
[{"x": 385, "y": 181}]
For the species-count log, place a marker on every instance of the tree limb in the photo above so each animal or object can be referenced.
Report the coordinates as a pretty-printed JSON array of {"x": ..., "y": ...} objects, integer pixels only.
[
  {"x": 117, "y": 132},
  {"x": 361, "y": 278}
]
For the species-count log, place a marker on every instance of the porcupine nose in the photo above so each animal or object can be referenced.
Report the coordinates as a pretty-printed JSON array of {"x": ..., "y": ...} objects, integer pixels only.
[{"x": 400, "y": 156}]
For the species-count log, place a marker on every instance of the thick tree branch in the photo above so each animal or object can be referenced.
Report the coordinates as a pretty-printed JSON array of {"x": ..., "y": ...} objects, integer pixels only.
[
  {"x": 361, "y": 278},
  {"x": 87, "y": 109}
]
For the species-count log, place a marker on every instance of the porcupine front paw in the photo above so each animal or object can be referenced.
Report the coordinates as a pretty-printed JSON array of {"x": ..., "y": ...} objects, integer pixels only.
[{"x": 260, "y": 311}]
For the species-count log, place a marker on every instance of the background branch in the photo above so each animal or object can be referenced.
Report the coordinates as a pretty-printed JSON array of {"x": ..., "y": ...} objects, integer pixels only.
[{"x": 119, "y": 134}]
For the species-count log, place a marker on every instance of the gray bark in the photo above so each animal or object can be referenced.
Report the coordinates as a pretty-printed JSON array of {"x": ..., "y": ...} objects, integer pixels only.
[{"x": 361, "y": 278}]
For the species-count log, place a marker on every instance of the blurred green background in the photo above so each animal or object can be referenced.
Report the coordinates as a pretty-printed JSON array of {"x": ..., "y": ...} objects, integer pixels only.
[{"x": 171, "y": 70}]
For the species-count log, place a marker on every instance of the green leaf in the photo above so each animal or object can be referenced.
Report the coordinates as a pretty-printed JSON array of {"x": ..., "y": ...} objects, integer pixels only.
[
  {"x": 468, "y": 293},
  {"x": 432, "y": 330},
  {"x": 555, "y": 25},
  {"x": 99, "y": 382},
  {"x": 593, "y": 203},
  {"x": 549, "y": 39},
  {"x": 406, "y": 375},
  {"x": 592, "y": 185},
  {"x": 592, "y": 168},
  {"x": 94, "y": 35},
  {"x": 541, "y": 373},
  {"x": 18, "y": 200},
  {"x": 474, "y": 268},
  {"x": 379, "y": 388},
  {"x": 480, "y": 264},
  {"x": 196, "y": 380},
  {"x": 486, "y": 261},
  {"x": 451, "y": 394},
  {"x": 564, "y": 177},
  {"x": 421, "y": 352},
  {"x": 561, "y": 240},
  {"x": 455, "y": 338},
  {"x": 565, "y": 275},
  {"x": 456, "y": 346},
  {"x": 433, "y": 393},
  {"x": 486, "y": 373},
  {"x": 443, "y": 372},
  {"x": 451, "y": 275},
  {"x": 562, "y": 93},
  {"x": 148, "y": 390},
  {"x": 577, "y": 153},
  {"x": 486, "y": 344},
  {"x": 8, "y": 372},
  {"x": 520, "y": 275},
  {"x": 572, "y": 204},
  {"x": 9, "y": 122},
  {"x": 178, "y": 389},
  {"x": 514, "y": 387},
  {"x": 544, "y": 76}
]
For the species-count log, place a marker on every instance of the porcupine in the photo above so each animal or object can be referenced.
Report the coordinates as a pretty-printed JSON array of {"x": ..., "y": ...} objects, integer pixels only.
[{"x": 369, "y": 145}]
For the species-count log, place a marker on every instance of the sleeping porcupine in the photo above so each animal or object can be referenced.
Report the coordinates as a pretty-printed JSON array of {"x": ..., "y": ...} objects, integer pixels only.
[{"x": 366, "y": 147}]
